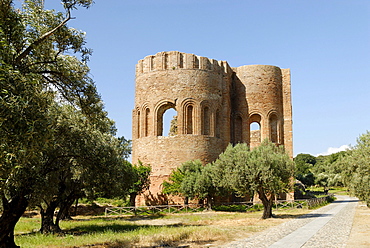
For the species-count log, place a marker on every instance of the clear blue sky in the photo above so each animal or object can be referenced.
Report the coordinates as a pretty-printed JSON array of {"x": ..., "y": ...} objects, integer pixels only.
[{"x": 325, "y": 43}]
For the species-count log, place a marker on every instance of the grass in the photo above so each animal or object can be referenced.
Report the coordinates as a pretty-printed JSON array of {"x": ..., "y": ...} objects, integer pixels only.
[
  {"x": 332, "y": 190},
  {"x": 192, "y": 229},
  {"x": 338, "y": 190}
]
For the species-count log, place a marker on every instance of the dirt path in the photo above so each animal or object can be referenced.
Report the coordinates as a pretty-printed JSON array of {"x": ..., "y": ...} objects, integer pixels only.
[
  {"x": 344, "y": 223},
  {"x": 360, "y": 232}
]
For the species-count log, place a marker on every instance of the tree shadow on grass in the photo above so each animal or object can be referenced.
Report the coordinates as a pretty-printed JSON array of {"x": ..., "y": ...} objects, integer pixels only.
[
  {"x": 93, "y": 228},
  {"x": 155, "y": 244},
  {"x": 124, "y": 218},
  {"x": 121, "y": 228}
]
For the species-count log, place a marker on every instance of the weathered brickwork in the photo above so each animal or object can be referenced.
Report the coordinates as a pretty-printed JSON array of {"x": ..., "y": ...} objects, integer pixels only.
[{"x": 215, "y": 104}]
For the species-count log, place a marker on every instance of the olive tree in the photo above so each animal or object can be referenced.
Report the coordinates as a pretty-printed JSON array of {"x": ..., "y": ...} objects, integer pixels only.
[
  {"x": 37, "y": 64},
  {"x": 356, "y": 168},
  {"x": 195, "y": 181},
  {"x": 83, "y": 159},
  {"x": 265, "y": 170}
]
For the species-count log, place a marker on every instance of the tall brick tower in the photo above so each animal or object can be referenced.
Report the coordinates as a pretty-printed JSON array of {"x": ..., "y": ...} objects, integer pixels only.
[{"x": 215, "y": 104}]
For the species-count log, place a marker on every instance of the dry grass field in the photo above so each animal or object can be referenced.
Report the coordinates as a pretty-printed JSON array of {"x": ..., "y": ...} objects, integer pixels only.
[{"x": 202, "y": 229}]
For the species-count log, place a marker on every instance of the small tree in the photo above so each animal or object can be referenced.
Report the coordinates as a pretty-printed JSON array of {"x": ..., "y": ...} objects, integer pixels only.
[
  {"x": 207, "y": 185},
  {"x": 181, "y": 181},
  {"x": 195, "y": 181},
  {"x": 140, "y": 181},
  {"x": 173, "y": 185},
  {"x": 266, "y": 170}
]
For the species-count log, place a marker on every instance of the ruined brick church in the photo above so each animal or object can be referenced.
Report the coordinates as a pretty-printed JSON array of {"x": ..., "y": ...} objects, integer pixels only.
[{"x": 216, "y": 105}]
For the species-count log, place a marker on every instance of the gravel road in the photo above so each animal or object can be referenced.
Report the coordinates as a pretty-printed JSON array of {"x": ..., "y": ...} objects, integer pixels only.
[{"x": 328, "y": 226}]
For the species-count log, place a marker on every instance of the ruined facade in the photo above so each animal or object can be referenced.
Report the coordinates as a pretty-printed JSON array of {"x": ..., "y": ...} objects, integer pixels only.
[{"x": 215, "y": 104}]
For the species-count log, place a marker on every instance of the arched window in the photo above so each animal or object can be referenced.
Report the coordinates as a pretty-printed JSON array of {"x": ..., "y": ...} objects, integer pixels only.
[
  {"x": 206, "y": 121},
  {"x": 165, "y": 114},
  {"x": 189, "y": 113},
  {"x": 146, "y": 122},
  {"x": 138, "y": 124},
  {"x": 273, "y": 125},
  {"x": 255, "y": 126},
  {"x": 170, "y": 122},
  {"x": 189, "y": 119},
  {"x": 255, "y": 129}
]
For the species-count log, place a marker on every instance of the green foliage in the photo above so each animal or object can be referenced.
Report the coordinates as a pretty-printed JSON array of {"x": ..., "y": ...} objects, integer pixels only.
[
  {"x": 305, "y": 164},
  {"x": 266, "y": 167},
  {"x": 327, "y": 171},
  {"x": 266, "y": 170},
  {"x": 307, "y": 179},
  {"x": 182, "y": 180},
  {"x": 195, "y": 181},
  {"x": 54, "y": 132},
  {"x": 83, "y": 156},
  {"x": 356, "y": 168},
  {"x": 173, "y": 185},
  {"x": 140, "y": 178}
]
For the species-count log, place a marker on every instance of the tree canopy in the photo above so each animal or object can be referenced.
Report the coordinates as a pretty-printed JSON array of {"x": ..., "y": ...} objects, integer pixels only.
[
  {"x": 356, "y": 168},
  {"x": 193, "y": 180},
  {"x": 43, "y": 63},
  {"x": 183, "y": 179},
  {"x": 265, "y": 170}
]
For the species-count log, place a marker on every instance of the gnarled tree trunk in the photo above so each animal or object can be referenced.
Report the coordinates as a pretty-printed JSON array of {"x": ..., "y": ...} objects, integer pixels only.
[
  {"x": 64, "y": 211},
  {"x": 133, "y": 199},
  {"x": 12, "y": 212},
  {"x": 47, "y": 218},
  {"x": 209, "y": 202},
  {"x": 267, "y": 201}
]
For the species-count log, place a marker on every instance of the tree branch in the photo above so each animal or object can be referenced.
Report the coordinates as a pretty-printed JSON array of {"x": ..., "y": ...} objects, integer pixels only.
[{"x": 42, "y": 38}]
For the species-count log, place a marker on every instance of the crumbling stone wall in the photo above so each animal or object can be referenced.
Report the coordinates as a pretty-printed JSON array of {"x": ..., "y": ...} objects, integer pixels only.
[{"x": 215, "y": 106}]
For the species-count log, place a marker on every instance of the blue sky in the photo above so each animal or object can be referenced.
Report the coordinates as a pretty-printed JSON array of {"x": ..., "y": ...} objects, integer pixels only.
[{"x": 325, "y": 43}]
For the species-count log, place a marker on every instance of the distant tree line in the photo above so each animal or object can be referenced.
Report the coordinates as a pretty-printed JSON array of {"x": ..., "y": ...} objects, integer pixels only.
[{"x": 349, "y": 168}]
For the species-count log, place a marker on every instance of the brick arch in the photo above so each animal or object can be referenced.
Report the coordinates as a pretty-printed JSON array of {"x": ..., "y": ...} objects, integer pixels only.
[
  {"x": 189, "y": 114},
  {"x": 255, "y": 136},
  {"x": 207, "y": 118},
  {"x": 274, "y": 125},
  {"x": 137, "y": 122},
  {"x": 159, "y": 111},
  {"x": 146, "y": 126}
]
